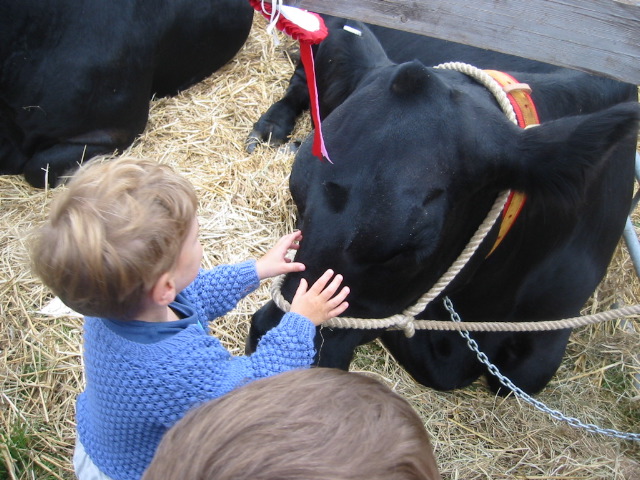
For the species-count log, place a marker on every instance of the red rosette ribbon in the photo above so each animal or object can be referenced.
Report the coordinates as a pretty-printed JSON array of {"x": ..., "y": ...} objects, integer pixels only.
[{"x": 308, "y": 29}]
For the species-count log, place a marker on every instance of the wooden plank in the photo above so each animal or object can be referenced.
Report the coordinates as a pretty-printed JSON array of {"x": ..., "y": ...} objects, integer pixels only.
[{"x": 595, "y": 36}]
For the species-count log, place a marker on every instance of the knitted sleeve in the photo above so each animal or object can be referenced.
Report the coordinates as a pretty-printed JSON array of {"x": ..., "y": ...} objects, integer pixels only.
[
  {"x": 285, "y": 347},
  {"x": 205, "y": 369},
  {"x": 216, "y": 292}
]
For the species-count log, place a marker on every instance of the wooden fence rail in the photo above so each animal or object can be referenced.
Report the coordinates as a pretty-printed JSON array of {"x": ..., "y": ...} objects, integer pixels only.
[{"x": 596, "y": 36}]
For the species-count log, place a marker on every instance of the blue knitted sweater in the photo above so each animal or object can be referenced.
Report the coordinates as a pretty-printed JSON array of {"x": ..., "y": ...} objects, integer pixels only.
[{"x": 136, "y": 391}]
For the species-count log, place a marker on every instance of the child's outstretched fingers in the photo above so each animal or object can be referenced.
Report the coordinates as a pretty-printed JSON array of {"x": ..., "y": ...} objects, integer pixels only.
[
  {"x": 332, "y": 288},
  {"x": 340, "y": 304},
  {"x": 320, "y": 302},
  {"x": 302, "y": 287},
  {"x": 319, "y": 286},
  {"x": 275, "y": 261}
]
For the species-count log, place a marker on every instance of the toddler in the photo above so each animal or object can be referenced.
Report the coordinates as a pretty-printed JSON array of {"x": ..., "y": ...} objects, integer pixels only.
[{"x": 121, "y": 247}]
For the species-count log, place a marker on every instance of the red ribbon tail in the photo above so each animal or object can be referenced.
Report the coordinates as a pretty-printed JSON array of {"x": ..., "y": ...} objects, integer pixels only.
[{"x": 306, "y": 54}]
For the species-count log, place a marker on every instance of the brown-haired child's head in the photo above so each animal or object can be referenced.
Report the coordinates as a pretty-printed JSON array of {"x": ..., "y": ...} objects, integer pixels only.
[
  {"x": 314, "y": 424},
  {"x": 114, "y": 229}
]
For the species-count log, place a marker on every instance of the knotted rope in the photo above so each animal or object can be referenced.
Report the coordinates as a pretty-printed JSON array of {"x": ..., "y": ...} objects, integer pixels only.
[{"x": 406, "y": 320}]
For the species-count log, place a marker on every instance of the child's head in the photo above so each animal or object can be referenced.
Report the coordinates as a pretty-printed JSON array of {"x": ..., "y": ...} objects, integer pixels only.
[
  {"x": 314, "y": 424},
  {"x": 111, "y": 233}
]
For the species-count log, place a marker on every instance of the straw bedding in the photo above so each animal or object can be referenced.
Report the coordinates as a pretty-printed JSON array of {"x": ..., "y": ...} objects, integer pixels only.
[{"x": 245, "y": 207}]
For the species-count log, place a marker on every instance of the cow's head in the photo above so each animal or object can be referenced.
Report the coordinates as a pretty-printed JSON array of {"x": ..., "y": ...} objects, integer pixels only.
[{"x": 419, "y": 156}]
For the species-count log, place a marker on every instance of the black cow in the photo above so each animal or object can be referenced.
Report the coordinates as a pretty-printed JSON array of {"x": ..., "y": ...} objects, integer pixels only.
[
  {"x": 76, "y": 77},
  {"x": 419, "y": 156}
]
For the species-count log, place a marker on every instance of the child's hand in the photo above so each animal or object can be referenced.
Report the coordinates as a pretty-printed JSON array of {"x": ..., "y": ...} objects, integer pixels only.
[
  {"x": 275, "y": 262},
  {"x": 318, "y": 303}
]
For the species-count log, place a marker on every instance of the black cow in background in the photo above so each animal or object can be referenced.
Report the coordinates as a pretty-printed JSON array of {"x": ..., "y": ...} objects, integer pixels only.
[
  {"x": 419, "y": 156},
  {"x": 76, "y": 77}
]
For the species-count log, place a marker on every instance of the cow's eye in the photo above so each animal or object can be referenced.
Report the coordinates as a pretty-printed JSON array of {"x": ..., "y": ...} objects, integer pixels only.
[
  {"x": 336, "y": 195},
  {"x": 432, "y": 196},
  {"x": 400, "y": 260}
]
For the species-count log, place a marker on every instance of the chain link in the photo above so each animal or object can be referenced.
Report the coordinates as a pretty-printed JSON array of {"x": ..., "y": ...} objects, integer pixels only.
[{"x": 557, "y": 415}]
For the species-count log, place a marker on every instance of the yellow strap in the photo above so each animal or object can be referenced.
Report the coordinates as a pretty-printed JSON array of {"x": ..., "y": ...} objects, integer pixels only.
[{"x": 518, "y": 94}]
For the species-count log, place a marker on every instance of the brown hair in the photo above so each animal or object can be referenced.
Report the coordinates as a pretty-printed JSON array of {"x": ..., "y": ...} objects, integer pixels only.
[
  {"x": 314, "y": 424},
  {"x": 111, "y": 233}
]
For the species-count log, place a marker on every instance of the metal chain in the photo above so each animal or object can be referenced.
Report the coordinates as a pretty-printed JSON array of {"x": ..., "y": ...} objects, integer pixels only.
[{"x": 557, "y": 415}]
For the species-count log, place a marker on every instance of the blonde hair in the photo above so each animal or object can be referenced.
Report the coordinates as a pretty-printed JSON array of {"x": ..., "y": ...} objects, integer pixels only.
[
  {"x": 116, "y": 228},
  {"x": 314, "y": 424}
]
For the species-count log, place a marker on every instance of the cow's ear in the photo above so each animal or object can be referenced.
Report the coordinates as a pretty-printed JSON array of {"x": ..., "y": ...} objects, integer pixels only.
[
  {"x": 411, "y": 79},
  {"x": 558, "y": 157}
]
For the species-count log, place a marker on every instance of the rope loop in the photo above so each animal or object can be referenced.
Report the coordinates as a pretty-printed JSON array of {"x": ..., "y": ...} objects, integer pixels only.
[{"x": 488, "y": 82}]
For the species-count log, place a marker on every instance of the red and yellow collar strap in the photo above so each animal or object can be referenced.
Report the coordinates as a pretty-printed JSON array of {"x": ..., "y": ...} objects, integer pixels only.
[{"x": 527, "y": 116}]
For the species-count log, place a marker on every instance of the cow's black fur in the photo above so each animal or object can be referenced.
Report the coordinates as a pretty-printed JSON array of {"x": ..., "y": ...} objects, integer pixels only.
[
  {"x": 76, "y": 77},
  {"x": 419, "y": 156}
]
